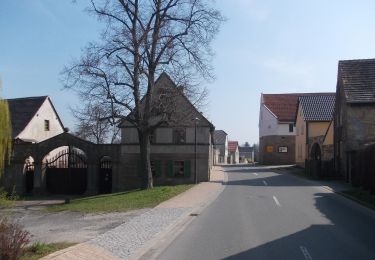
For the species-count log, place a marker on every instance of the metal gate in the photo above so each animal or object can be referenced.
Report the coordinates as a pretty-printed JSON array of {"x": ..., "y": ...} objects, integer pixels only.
[
  {"x": 105, "y": 176},
  {"x": 66, "y": 173}
]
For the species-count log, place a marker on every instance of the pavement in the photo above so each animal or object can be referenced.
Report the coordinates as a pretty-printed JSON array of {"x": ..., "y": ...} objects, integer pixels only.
[{"x": 144, "y": 236}]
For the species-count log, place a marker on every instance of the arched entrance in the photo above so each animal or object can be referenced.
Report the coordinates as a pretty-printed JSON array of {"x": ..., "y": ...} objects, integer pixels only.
[
  {"x": 316, "y": 160},
  {"x": 66, "y": 171},
  {"x": 29, "y": 174},
  {"x": 105, "y": 175}
]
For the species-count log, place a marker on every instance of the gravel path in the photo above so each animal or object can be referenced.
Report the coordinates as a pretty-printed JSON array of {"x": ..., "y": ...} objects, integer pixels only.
[
  {"x": 138, "y": 230},
  {"x": 51, "y": 227}
]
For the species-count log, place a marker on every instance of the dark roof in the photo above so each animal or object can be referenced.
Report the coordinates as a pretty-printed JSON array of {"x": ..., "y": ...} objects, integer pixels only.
[
  {"x": 318, "y": 108},
  {"x": 220, "y": 136},
  {"x": 22, "y": 110},
  {"x": 358, "y": 80},
  {"x": 232, "y": 146},
  {"x": 284, "y": 106},
  {"x": 245, "y": 149},
  {"x": 190, "y": 109}
]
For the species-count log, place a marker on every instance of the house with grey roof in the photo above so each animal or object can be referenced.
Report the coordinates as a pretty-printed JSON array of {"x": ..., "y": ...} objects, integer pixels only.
[
  {"x": 354, "y": 124},
  {"x": 246, "y": 154},
  {"x": 314, "y": 133},
  {"x": 220, "y": 146},
  {"x": 34, "y": 119}
]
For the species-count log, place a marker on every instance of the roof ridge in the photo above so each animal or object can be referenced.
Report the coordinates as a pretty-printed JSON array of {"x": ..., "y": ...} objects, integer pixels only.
[{"x": 22, "y": 98}]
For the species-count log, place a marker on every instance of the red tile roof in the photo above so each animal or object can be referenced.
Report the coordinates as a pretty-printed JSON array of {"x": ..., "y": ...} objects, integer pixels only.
[
  {"x": 284, "y": 106},
  {"x": 232, "y": 146}
]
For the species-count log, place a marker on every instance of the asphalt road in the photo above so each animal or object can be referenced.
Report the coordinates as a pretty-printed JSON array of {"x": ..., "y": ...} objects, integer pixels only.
[{"x": 263, "y": 214}]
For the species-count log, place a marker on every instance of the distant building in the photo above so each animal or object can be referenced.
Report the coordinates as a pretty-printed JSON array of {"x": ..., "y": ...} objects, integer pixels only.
[
  {"x": 354, "y": 113},
  {"x": 277, "y": 127},
  {"x": 246, "y": 154},
  {"x": 220, "y": 146},
  {"x": 314, "y": 134},
  {"x": 233, "y": 152}
]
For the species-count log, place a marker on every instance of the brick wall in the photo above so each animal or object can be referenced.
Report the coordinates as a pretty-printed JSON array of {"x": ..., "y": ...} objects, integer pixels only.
[{"x": 274, "y": 157}]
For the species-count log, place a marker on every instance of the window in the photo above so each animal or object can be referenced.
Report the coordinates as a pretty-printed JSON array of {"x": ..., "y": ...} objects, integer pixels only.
[
  {"x": 291, "y": 128},
  {"x": 46, "y": 125},
  {"x": 302, "y": 129},
  {"x": 179, "y": 136},
  {"x": 152, "y": 137},
  {"x": 283, "y": 149},
  {"x": 178, "y": 168}
]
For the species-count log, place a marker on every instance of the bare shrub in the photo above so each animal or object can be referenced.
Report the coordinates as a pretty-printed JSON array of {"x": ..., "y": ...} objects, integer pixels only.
[{"x": 13, "y": 240}]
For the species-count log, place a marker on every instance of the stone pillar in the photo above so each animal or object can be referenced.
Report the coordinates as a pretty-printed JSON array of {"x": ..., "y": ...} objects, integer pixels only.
[
  {"x": 14, "y": 178},
  {"x": 115, "y": 177},
  {"x": 92, "y": 178}
]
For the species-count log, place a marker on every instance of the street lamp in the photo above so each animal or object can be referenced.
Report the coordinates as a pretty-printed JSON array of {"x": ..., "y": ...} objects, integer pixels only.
[{"x": 196, "y": 120}]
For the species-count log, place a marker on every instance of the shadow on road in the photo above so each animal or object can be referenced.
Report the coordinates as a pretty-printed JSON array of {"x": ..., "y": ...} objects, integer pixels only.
[{"x": 349, "y": 236}]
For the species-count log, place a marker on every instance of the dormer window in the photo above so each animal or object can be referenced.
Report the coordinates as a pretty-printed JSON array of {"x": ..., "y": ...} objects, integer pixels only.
[{"x": 46, "y": 125}]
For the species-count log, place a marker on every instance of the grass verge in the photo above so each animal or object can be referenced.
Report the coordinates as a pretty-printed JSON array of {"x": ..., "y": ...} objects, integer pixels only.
[
  {"x": 39, "y": 250},
  {"x": 123, "y": 201},
  {"x": 361, "y": 196}
]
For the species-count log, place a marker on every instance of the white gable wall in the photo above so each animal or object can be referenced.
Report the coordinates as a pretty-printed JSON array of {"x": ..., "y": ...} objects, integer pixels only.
[
  {"x": 267, "y": 122},
  {"x": 35, "y": 129},
  {"x": 283, "y": 129},
  {"x": 269, "y": 125}
]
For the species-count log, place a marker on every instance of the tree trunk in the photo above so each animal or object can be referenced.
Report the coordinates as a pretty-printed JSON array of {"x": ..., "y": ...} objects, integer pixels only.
[{"x": 145, "y": 149}]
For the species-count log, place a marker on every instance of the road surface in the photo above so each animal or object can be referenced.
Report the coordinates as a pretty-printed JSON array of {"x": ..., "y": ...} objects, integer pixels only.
[{"x": 264, "y": 214}]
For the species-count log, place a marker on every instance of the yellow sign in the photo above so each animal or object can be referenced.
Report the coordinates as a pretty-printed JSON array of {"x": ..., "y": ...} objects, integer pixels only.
[{"x": 269, "y": 149}]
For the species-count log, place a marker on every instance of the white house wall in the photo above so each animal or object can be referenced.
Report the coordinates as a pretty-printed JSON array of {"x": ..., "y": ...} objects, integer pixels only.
[
  {"x": 35, "y": 129},
  {"x": 283, "y": 129}
]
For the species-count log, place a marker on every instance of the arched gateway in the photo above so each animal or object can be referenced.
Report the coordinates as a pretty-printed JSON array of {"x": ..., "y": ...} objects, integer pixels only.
[
  {"x": 63, "y": 164},
  {"x": 316, "y": 160}
]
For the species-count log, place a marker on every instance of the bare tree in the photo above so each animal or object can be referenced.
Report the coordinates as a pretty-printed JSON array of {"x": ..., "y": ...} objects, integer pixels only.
[
  {"x": 93, "y": 124},
  {"x": 143, "y": 38}
]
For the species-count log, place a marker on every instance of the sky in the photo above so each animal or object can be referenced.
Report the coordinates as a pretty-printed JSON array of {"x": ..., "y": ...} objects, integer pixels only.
[{"x": 265, "y": 46}]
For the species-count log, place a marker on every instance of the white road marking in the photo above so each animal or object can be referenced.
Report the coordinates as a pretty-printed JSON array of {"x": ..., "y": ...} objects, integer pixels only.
[
  {"x": 256, "y": 174},
  {"x": 276, "y": 201},
  {"x": 265, "y": 183},
  {"x": 305, "y": 253}
]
